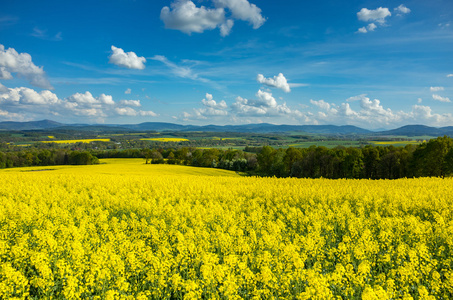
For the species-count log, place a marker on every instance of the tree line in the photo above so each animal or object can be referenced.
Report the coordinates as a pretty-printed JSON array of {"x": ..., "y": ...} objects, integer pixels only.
[
  {"x": 432, "y": 158},
  {"x": 45, "y": 157}
]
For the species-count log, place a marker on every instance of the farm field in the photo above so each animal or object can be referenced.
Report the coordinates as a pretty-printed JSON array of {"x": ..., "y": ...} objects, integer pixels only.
[
  {"x": 76, "y": 141},
  {"x": 163, "y": 139},
  {"x": 395, "y": 143},
  {"x": 126, "y": 230}
]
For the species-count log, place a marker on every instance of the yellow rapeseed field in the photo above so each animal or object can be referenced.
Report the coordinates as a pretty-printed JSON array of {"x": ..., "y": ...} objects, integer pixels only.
[
  {"x": 76, "y": 141},
  {"x": 396, "y": 142},
  {"x": 165, "y": 139},
  {"x": 126, "y": 230}
]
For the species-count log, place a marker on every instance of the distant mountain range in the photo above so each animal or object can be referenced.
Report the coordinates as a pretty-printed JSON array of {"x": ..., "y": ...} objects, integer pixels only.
[{"x": 408, "y": 130}]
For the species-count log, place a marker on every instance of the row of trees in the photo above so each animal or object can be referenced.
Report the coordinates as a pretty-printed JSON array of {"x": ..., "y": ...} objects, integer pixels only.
[
  {"x": 434, "y": 158},
  {"x": 44, "y": 157}
]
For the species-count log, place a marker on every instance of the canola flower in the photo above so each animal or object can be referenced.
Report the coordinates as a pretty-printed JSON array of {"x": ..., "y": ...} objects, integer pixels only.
[
  {"x": 165, "y": 139},
  {"x": 125, "y": 230},
  {"x": 396, "y": 142},
  {"x": 76, "y": 141}
]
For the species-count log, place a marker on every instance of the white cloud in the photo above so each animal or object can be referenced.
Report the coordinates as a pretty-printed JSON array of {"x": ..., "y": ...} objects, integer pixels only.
[
  {"x": 106, "y": 99},
  {"x": 243, "y": 107},
  {"x": 180, "y": 71},
  {"x": 436, "y": 88},
  {"x": 6, "y": 115},
  {"x": 440, "y": 98},
  {"x": 210, "y": 102},
  {"x": 128, "y": 91},
  {"x": 358, "y": 110},
  {"x": 321, "y": 104},
  {"x": 425, "y": 115},
  {"x": 356, "y": 98},
  {"x": 278, "y": 81},
  {"x": 42, "y": 34},
  {"x": 135, "y": 103},
  {"x": 128, "y": 111},
  {"x": 86, "y": 98},
  {"x": 186, "y": 17},
  {"x": 377, "y": 15},
  {"x": 402, "y": 9},
  {"x": 225, "y": 28},
  {"x": 211, "y": 108},
  {"x": 450, "y": 75},
  {"x": 128, "y": 60},
  {"x": 371, "y": 27},
  {"x": 45, "y": 103},
  {"x": 147, "y": 113},
  {"x": 265, "y": 99},
  {"x": 4, "y": 74},
  {"x": 26, "y": 96},
  {"x": 419, "y": 100},
  {"x": 264, "y": 106},
  {"x": 13, "y": 62},
  {"x": 372, "y": 113},
  {"x": 243, "y": 10},
  {"x": 362, "y": 30}
]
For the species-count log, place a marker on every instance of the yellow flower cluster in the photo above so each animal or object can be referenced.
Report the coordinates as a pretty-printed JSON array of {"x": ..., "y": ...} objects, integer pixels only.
[{"x": 95, "y": 234}]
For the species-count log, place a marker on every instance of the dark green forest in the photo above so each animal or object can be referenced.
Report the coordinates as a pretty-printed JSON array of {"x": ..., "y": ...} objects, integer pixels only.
[{"x": 432, "y": 158}]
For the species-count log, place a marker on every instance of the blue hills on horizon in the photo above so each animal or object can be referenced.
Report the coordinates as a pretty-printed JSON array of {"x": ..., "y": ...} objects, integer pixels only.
[{"x": 407, "y": 130}]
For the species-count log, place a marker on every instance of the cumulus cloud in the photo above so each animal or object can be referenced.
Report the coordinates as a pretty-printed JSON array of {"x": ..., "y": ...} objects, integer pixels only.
[
  {"x": 128, "y": 111},
  {"x": 278, "y": 81},
  {"x": 370, "y": 27},
  {"x": 402, "y": 9},
  {"x": 436, "y": 88},
  {"x": 356, "y": 98},
  {"x": 128, "y": 91},
  {"x": 378, "y": 16},
  {"x": 321, "y": 104},
  {"x": 450, "y": 75},
  {"x": 29, "y": 102},
  {"x": 185, "y": 16},
  {"x": 128, "y": 60},
  {"x": 6, "y": 115},
  {"x": 374, "y": 15},
  {"x": 26, "y": 96},
  {"x": 243, "y": 10},
  {"x": 362, "y": 30},
  {"x": 21, "y": 63},
  {"x": 210, "y": 102},
  {"x": 225, "y": 28},
  {"x": 440, "y": 98},
  {"x": 372, "y": 113},
  {"x": 88, "y": 99},
  {"x": 357, "y": 110},
  {"x": 264, "y": 99},
  {"x": 211, "y": 108},
  {"x": 264, "y": 105},
  {"x": 135, "y": 103}
]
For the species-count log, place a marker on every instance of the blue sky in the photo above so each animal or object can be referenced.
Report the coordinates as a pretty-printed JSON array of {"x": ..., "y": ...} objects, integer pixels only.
[{"x": 373, "y": 64}]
